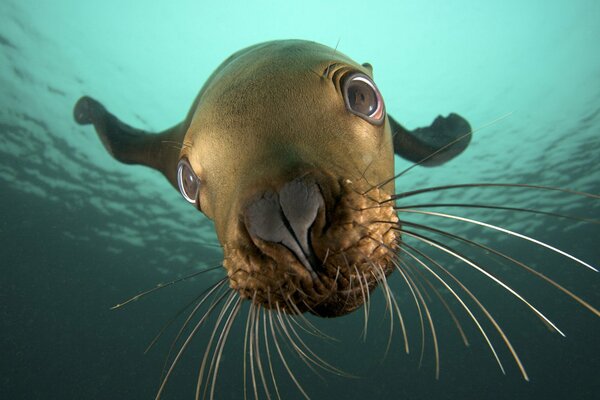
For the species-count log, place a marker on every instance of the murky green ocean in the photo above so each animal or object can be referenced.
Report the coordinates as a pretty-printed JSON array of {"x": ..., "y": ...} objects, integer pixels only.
[{"x": 80, "y": 232}]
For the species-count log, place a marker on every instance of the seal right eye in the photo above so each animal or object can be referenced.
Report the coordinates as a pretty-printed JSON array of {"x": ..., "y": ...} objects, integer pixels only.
[
  {"x": 363, "y": 98},
  {"x": 188, "y": 181}
]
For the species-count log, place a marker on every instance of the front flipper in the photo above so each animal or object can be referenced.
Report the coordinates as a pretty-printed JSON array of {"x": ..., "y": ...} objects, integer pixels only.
[
  {"x": 426, "y": 145},
  {"x": 129, "y": 145}
]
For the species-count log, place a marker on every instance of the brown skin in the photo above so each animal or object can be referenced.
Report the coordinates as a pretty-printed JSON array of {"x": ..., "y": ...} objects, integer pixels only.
[{"x": 270, "y": 114}]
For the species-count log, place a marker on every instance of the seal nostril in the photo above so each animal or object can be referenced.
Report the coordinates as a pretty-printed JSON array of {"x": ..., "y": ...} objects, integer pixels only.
[{"x": 286, "y": 218}]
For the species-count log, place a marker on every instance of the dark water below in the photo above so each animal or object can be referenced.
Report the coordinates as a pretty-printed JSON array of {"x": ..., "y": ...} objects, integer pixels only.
[{"x": 80, "y": 233}]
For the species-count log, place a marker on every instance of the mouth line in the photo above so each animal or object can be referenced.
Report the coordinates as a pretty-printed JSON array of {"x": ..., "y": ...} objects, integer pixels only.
[{"x": 306, "y": 256}]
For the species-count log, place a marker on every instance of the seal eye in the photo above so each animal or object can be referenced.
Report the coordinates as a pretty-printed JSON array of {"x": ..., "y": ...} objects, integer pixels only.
[
  {"x": 362, "y": 98},
  {"x": 188, "y": 182}
]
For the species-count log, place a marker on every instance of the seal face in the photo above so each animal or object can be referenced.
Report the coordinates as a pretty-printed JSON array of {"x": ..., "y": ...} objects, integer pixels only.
[
  {"x": 300, "y": 138},
  {"x": 289, "y": 150}
]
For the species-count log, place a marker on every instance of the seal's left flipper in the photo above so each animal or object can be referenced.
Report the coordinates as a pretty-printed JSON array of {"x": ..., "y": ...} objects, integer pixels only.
[
  {"x": 129, "y": 145},
  {"x": 421, "y": 143}
]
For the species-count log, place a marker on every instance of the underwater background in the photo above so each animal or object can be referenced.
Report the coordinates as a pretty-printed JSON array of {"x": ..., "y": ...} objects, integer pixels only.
[{"x": 80, "y": 232}]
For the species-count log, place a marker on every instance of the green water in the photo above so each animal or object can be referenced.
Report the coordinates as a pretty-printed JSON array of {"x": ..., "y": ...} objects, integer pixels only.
[{"x": 80, "y": 232}]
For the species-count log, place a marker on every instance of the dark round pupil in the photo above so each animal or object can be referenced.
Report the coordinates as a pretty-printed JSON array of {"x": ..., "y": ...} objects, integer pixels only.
[
  {"x": 190, "y": 184},
  {"x": 362, "y": 98}
]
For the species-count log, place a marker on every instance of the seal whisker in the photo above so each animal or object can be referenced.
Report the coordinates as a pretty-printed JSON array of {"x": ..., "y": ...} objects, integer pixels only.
[
  {"x": 503, "y": 230},
  {"x": 380, "y": 277},
  {"x": 245, "y": 354},
  {"x": 438, "y": 151},
  {"x": 221, "y": 343},
  {"x": 481, "y": 185},
  {"x": 301, "y": 353},
  {"x": 431, "y": 327},
  {"x": 273, "y": 379},
  {"x": 258, "y": 357},
  {"x": 178, "y": 314},
  {"x": 326, "y": 73},
  {"x": 310, "y": 328},
  {"x": 511, "y": 260},
  {"x": 417, "y": 280},
  {"x": 479, "y": 304},
  {"x": 458, "y": 298},
  {"x": 253, "y": 312},
  {"x": 455, "y": 319},
  {"x": 222, "y": 313},
  {"x": 399, "y": 268},
  {"x": 210, "y": 291},
  {"x": 404, "y": 331},
  {"x": 282, "y": 358},
  {"x": 368, "y": 293},
  {"x": 163, "y": 285},
  {"x": 392, "y": 299},
  {"x": 477, "y": 267},
  {"x": 503, "y": 208},
  {"x": 205, "y": 295},
  {"x": 318, "y": 361},
  {"x": 362, "y": 289},
  {"x": 186, "y": 344},
  {"x": 462, "y": 303}
]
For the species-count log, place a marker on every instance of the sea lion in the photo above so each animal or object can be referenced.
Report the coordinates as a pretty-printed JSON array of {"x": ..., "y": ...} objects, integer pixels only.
[{"x": 289, "y": 149}]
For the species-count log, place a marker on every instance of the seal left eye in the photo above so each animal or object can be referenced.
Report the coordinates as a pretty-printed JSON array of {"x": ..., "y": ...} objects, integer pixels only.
[{"x": 188, "y": 182}]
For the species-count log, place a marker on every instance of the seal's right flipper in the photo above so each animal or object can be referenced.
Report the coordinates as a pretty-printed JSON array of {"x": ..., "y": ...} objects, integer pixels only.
[
  {"x": 435, "y": 144},
  {"x": 129, "y": 145}
]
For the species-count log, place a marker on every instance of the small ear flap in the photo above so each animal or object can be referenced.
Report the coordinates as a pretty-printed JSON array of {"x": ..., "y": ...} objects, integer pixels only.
[
  {"x": 133, "y": 146},
  {"x": 426, "y": 146}
]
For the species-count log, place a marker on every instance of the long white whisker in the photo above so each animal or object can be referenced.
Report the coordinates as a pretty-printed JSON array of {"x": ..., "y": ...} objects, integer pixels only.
[
  {"x": 445, "y": 249},
  {"x": 258, "y": 358},
  {"x": 419, "y": 311},
  {"x": 398, "y": 196},
  {"x": 318, "y": 361},
  {"x": 221, "y": 343},
  {"x": 301, "y": 354},
  {"x": 388, "y": 302},
  {"x": 507, "y": 231},
  {"x": 418, "y": 272},
  {"x": 485, "y": 311},
  {"x": 457, "y": 297},
  {"x": 251, "y": 341},
  {"x": 366, "y": 311},
  {"x": 431, "y": 327},
  {"x": 510, "y": 259},
  {"x": 245, "y": 355},
  {"x": 269, "y": 355},
  {"x": 282, "y": 358},
  {"x": 206, "y": 294},
  {"x": 390, "y": 296},
  {"x": 224, "y": 310},
  {"x": 187, "y": 342},
  {"x": 315, "y": 331},
  {"x": 432, "y": 154}
]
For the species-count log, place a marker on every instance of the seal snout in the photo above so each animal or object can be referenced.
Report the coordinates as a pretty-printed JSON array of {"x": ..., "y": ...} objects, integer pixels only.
[{"x": 285, "y": 217}]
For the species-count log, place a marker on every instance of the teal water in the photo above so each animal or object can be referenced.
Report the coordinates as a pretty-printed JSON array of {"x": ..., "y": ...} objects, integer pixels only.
[{"x": 80, "y": 232}]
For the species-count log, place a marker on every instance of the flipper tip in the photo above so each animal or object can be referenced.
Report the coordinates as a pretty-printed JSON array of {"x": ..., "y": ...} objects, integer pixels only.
[{"x": 87, "y": 110}]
